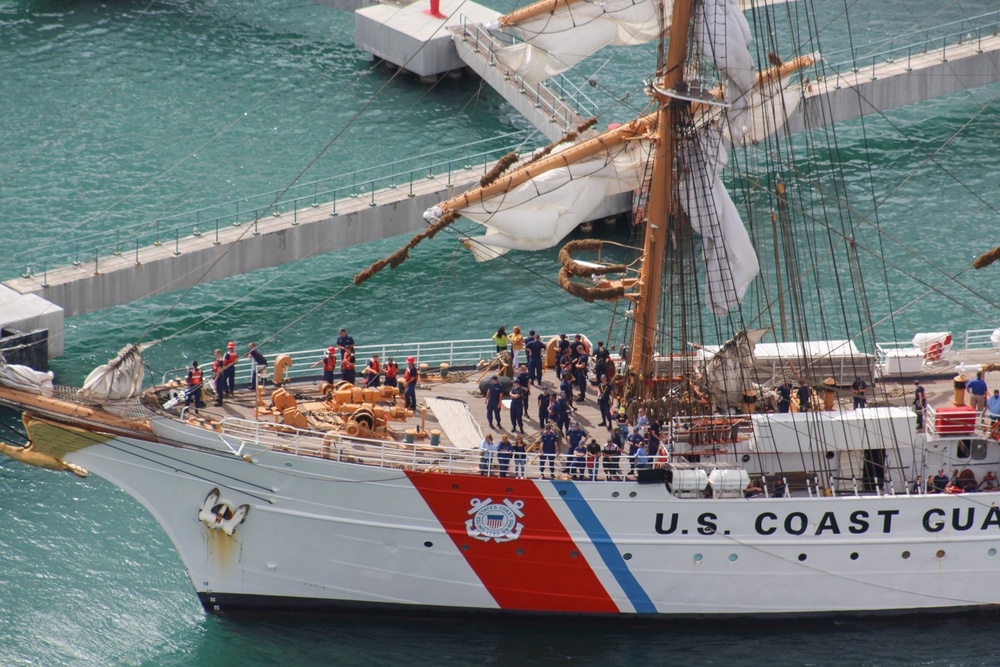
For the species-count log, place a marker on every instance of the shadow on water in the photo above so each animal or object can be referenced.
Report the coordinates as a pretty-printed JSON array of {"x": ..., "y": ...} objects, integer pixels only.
[{"x": 381, "y": 641}]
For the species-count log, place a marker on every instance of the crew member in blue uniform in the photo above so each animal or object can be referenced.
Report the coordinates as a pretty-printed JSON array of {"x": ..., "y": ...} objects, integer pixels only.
[
  {"x": 494, "y": 391},
  {"x": 575, "y": 434},
  {"x": 259, "y": 362},
  {"x": 604, "y": 401},
  {"x": 410, "y": 378},
  {"x": 525, "y": 382},
  {"x": 516, "y": 406},
  {"x": 218, "y": 378},
  {"x": 229, "y": 360},
  {"x": 344, "y": 342},
  {"x": 804, "y": 396},
  {"x": 601, "y": 360},
  {"x": 560, "y": 412},
  {"x": 634, "y": 441},
  {"x": 784, "y": 391},
  {"x": 544, "y": 399},
  {"x": 193, "y": 393},
  {"x": 859, "y": 389},
  {"x": 562, "y": 353},
  {"x": 566, "y": 387},
  {"x": 550, "y": 449},
  {"x": 580, "y": 371},
  {"x": 535, "y": 349}
]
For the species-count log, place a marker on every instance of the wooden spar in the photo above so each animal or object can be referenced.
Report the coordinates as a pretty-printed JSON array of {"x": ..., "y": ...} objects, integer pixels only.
[
  {"x": 586, "y": 149},
  {"x": 768, "y": 76},
  {"x": 660, "y": 206},
  {"x": 533, "y": 10},
  {"x": 582, "y": 151},
  {"x": 772, "y": 74}
]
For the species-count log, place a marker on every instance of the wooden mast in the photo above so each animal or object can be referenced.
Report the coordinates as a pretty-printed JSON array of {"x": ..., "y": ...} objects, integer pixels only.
[{"x": 661, "y": 206}]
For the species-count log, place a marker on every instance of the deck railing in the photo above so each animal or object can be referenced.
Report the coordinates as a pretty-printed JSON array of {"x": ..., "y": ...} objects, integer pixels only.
[
  {"x": 973, "y": 339},
  {"x": 457, "y": 354},
  {"x": 245, "y": 436}
]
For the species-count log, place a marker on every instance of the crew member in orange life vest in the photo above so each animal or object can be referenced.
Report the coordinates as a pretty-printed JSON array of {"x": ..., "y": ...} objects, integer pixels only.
[
  {"x": 391, "y": 370},
  {"x": 372, "y": 371},
  {"x": 229, "y": 360},
  {"x": 347, "y": 365},
  {"x": 329, "y": 362},
  {"x": 194, "y": 387},
  {"x": 219, "y": 376},
  {"x": 410, "y": 378}
]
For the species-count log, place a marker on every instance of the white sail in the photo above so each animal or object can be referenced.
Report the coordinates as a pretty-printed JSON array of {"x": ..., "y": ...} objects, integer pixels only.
[
  {"x": 557, "y": 41},
  {"x": 730, "y": 259},
  {"x": 540, "y": 213},
  {"x": 26, "y": 378},
  {"x": 729, "y": 369},
  {"x": 119, "y": 379},
  {"x": 723, "y": 34}
]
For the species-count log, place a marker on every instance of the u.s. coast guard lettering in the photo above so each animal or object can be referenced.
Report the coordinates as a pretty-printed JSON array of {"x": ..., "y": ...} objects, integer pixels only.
[
  {"x": 495, "y": 521},
  {"x": 857, "y": 522}
]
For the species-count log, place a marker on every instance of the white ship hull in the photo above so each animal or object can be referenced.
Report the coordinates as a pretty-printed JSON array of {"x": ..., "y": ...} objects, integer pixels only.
[{"x": 321, "y": 534}]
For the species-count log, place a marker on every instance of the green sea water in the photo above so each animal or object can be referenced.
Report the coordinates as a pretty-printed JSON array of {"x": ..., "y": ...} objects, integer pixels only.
[{"x": 117, "y": 113}]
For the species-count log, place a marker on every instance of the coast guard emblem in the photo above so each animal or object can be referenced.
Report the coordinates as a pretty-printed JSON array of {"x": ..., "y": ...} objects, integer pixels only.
[{"x": 495, "y": 521}]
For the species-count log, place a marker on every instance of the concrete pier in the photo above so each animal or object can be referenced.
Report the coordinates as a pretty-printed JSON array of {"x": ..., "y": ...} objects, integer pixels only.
[
  {"x": 888, "y": 85},
  {"x": 409, "y": 37}
]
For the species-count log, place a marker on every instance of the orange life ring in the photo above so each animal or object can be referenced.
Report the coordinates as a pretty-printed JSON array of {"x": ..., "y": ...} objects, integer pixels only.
[{"x": 934, "y": 352}]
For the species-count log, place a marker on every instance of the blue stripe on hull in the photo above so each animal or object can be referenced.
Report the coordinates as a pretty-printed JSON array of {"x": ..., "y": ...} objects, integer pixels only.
[{"x": 606, "y": 548}]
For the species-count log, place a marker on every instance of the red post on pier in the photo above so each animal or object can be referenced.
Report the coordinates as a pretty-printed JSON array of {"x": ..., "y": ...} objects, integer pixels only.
[{"x": 435, "y": 10}]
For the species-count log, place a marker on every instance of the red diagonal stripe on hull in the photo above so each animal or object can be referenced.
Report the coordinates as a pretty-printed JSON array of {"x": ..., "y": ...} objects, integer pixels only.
[{"x": 542, "y": 570}]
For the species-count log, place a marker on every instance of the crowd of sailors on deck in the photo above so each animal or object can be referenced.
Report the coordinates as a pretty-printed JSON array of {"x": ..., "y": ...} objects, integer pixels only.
[
  {"x": 563, "y": 445},
  {"x": 963, "y": 481}
]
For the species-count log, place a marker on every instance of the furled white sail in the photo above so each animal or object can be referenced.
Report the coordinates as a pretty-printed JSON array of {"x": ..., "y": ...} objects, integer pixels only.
[
  {"x": 723, "y": 34},
  {"x": 25, "y": 378},
  {"x": 729, "y": 256},
  {"x": 119, "y": 379},
  {"x": 729, "y": 371},
  {"x": 540, "y": 213},
  {"x": 557, "y": 41}
]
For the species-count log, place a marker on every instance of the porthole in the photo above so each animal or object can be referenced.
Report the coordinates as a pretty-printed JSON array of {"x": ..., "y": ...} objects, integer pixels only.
[
  {"x": 288, "y": 465},
  {"x": 627, "y": 556},
  {"x": 509, "y": 490},
  {"x": 940, "y": 554},
  {"x": 519, "y": 552},
  {"x": 830, "y": 455},
  {"x": 906, "y": 554},
  {"x": 614, "y": 494},
  {"x": 574, "y": 554},
  {"x": 802, "y": 557},
  {"x": 733, "y": 557},
  {"x": 428, "y": 544},
  {"x": 697, "y": 558},
  {"x": 745, "y": 458},
  {"x": 562, "y": 492},
  {"x": 465, "y": 547},
  {"x": 454, "y": 486},
  {"x": 632, "y": 494},
  {"x": 854, "y": 556},
  {"x": 992, "y": 552}
]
